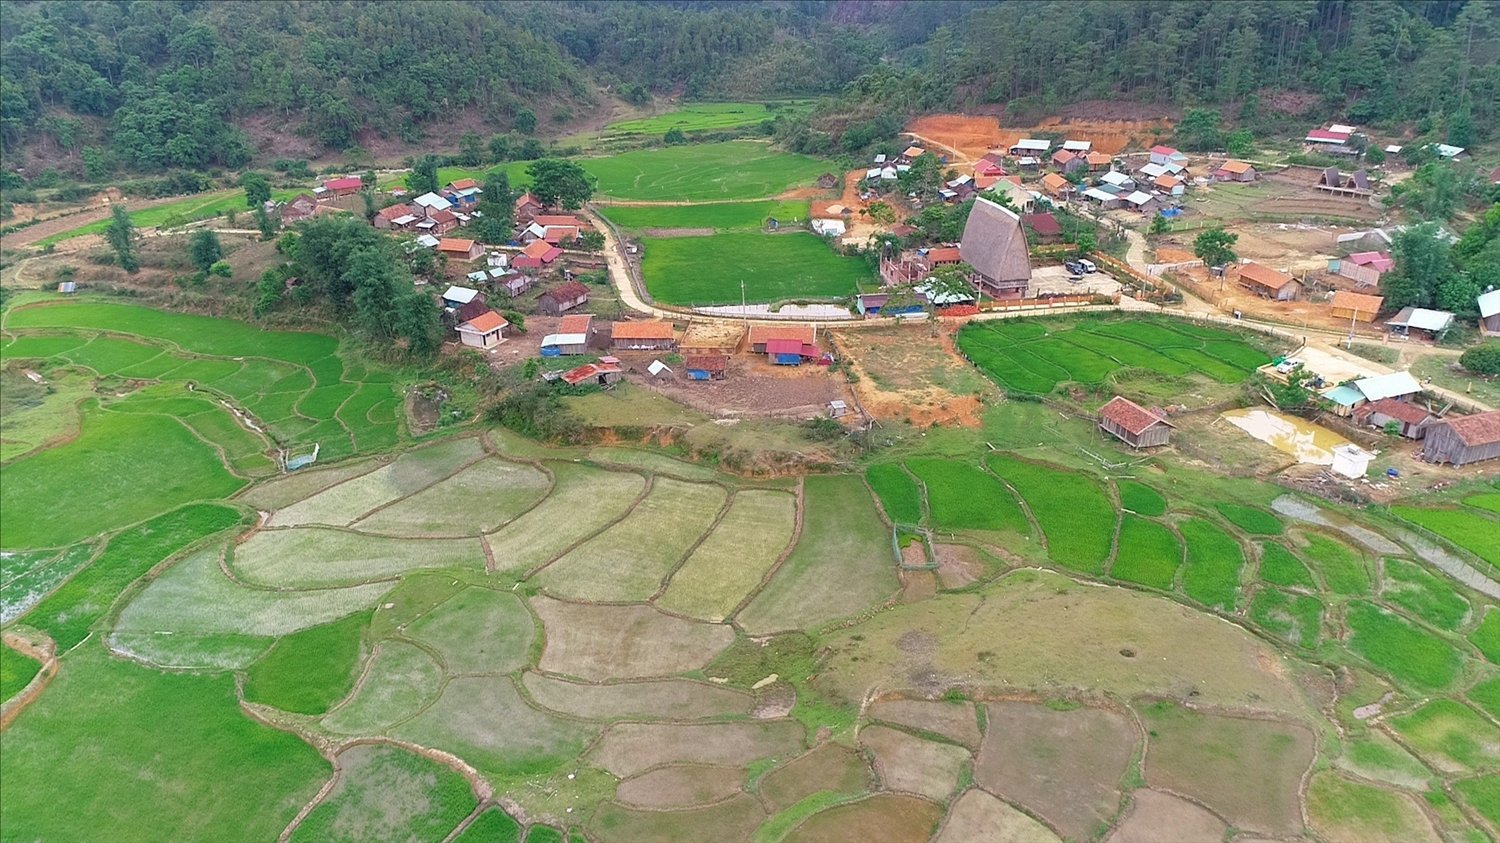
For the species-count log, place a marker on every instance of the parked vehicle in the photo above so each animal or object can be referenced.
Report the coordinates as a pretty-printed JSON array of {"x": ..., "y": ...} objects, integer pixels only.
[
  {"x": 1074, "y": 267},
  {"x": 1087, "y": 266}
]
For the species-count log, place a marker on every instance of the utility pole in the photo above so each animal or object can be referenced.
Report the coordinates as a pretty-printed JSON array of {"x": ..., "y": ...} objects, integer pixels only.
[{"x": 743, "y": 306}]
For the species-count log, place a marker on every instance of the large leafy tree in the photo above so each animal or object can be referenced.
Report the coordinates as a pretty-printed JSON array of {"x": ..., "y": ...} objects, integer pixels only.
[
  {"x": 423, "y": 177},
  {"x": 497, "y": 209},
  {"x": 204, "y": 249},
  {"x": 1424, "y": 267},
  {"x": 121, "y": 237},
  {"x": 257, "y": 189},
  {"x": 1215, "y": 247},
  {"x": 557, "y": 182}
]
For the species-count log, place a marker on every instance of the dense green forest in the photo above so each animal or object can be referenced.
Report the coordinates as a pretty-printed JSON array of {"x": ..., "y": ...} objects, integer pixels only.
[{"x": 110, "y": 86}]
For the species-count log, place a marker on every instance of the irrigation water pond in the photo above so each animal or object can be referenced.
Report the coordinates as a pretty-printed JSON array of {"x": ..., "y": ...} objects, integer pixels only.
[{"x": 1306, "y": 442}]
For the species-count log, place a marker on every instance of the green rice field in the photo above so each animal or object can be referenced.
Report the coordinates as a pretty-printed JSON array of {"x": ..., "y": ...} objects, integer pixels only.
[
  {"x": 703, "y": 172},
  {"x": 707, "y": 116},
  {"x": 720, "y": 216},
  {"x": 774, "y": 267},
  {"x": 1024, "y": 356}
]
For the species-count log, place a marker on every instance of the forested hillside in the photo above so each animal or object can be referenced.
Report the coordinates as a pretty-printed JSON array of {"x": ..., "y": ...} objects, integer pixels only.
[{"x": 110, "y": 86}]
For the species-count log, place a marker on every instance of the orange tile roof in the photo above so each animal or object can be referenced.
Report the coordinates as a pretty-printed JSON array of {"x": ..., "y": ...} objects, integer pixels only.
[
  {"x": 944, "y": 254},
  {"x": 556, "y": 219},
  {"x": 654, "y": 330},
  {"x": 765, "y": 333},
  {"x": 1098, "y": 158},
  {"x": 577, "y": 324},
  {"x": 1053, "y": 182},
  {"x": 1236, "y": 167},
  {"x": 1130, "y": 415},
  {"x": 1265, "y": 276},
  {"x": 1357, "y": 302},
  {"x": 464, "y": 184},
  {"x": 454, "y": 244},
  {"x": 537, "y": 248},
  {"x": 486, "y": 322}
]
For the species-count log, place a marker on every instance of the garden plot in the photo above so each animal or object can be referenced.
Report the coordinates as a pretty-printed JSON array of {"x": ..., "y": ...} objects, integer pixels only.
[
  {"x": 400, "y": 679},
  {"x": 963, "y": 497},
  {"x": 69, "y": 613},
  {"x": 120, "y": 455},
  {"x": 1409, "y": 653},
  {"x": 319, "y": 557},
  {"x": 1294, "y": 618},
  {"x": 1246, "y": 771},
  {"x": 731, "y": 820},
  {"x": 735, "y": 557},
  {"x": 1344, "y": 811},
  {"x": 1064, "y": 766},
  {"x": 477, "y": 499},
  {"x": 668, "y": 699},
  {"x": 954, "y": 720},
  {"x": 910, "y": 764},
  {"x": 890, "y": 818},
  {"x": 681, "y": 786},
  {"x": 841, "y": 565},
  {"x": 1214, "y": 561},
  {"x": 388, "y": 793},
  {"x": 628, "y": 749},
  {"x": 125, "y": 750},
  {"x": 584, "y": 500},
  {"x": 484, "y": 721},
  {"x": 1160, "y": 816},
  {"x": 408, "y": 474},
  {"x": 976, "y": 815},
  {"x": 478, "y": 630},
  {"x": 1425, "y": 595},
  {"x": 1122, "y": 642},
  {"x": 623, "y": 642},
  {"x": 827, "y": 768},
  {"x": 1451, "y": 736},
  {"x": 1074, "y": 514},
  {"x": 194, "y": 598},
  {"x": 631, "y": 559},
  {"x": 1149, "y": 553},
  {"x": 653, "y": 462}
]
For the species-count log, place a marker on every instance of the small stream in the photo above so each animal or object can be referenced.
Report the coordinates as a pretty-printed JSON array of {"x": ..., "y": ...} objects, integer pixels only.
[{"x": 1427, "y": 550}]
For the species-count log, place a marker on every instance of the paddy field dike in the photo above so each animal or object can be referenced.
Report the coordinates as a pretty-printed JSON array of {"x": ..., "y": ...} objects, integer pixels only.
[{"x": 468, "y": 635}]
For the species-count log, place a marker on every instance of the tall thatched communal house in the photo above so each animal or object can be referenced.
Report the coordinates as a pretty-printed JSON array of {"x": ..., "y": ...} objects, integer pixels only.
[{"x": 994, "y": 244}]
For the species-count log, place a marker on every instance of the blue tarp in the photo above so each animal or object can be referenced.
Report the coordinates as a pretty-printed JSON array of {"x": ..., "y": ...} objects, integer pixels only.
[
  {"x": 789, "y": 360},
  {"x": 551, "y": 351},
  {"x": 697, "y": 374},
  {"x": 1172, "y": 213}
]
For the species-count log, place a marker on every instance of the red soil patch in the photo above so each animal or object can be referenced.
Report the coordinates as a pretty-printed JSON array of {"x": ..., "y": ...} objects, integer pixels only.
[{"x": 1111, "y": 129}]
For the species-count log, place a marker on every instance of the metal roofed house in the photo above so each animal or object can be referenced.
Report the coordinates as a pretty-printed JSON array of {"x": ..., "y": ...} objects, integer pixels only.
[
  {"x": 1343, "y": 399},
  {"x": 1464, "y": 439},
  {"x": 456, "y": 296},
  {"x": 790, "y": 352},
  {"x": 346, "y": 186},
  {"x": 603, "y": 373},
  {"x": 1410, "y": 419},
  {"x": 1118, "y": 179},
  {"x": 1142, "y": 201},
  {"x": 427, "y": 241},
  {"x": 994, "y": 244},
  {"x": 1030, "y": 146},
  {"x": 1268, "y": 283},
  {"x": 1489, "y": 313},
  {"x": 1107, "y": 201},
  {"x": 430, "y": 202},
  {"x": 1078, "y": 145},
  {"x": 1133, "y": 424},
  {"x": 1354, "y": 306},
  {"x": 1397, "y": 385},
  {"x": 1430, "y": 322},
  {"x": 484, "y": 331}
]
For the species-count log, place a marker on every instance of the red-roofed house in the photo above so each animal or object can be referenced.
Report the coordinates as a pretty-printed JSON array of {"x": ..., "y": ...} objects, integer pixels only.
[
  {"x": 1133, "y": 424},
  {"x": 1268, "y": 283},
  {"x": 988, "y": 168},
  {"x": 460, "y": 250},
  {"x": 642, "y": 335},
  {"x": 484, "y": 331},
  {"x": 1167, "y": 155},
  {"x": 347, "y": 186},
  {"x": 562, "y": 298},
  {"x": 941, "y": 255},
  {"x": 437, "y": 223},
  {"x": 1235, "y": 171},
  {"x": 1045, "y": 226},
  {"x": 1464, "y": 439},
  {"x": 1411, "y": 419},
  {"x": 526, "y": 209},
  {"x": 1098, "y": 161},
  {"x": 790, "y": 352},
  {"x": 537, "y": 254},
  {"x": 1066, "y": 160},
  {"x": 603, "y": 373},
  {"x": 386, "y": 217}
]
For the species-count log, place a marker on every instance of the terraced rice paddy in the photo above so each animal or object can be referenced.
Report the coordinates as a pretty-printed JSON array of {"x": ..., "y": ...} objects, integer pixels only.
[
  {"x": 1026, "y": 357},
  {"x": 618, "y": 645}
]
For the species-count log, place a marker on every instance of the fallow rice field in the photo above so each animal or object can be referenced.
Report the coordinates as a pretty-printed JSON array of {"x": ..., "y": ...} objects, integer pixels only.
[{"x": 478, "y": 637}]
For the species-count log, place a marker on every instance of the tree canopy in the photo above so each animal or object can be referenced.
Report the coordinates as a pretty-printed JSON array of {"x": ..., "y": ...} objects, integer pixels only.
[{"x": 555, "y": 182}]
